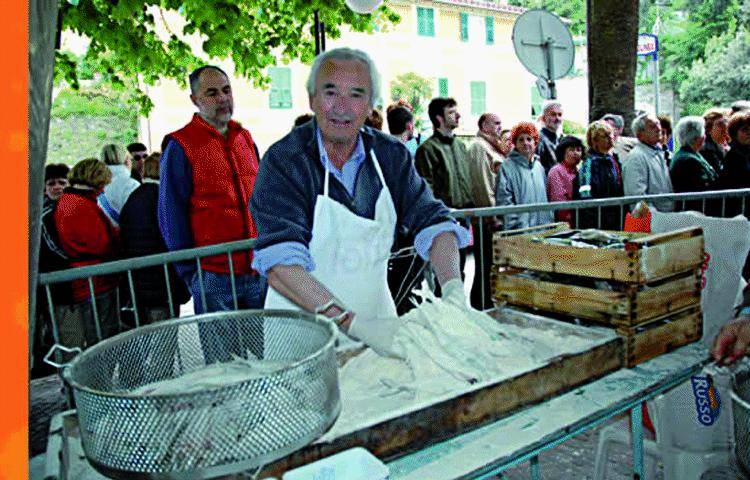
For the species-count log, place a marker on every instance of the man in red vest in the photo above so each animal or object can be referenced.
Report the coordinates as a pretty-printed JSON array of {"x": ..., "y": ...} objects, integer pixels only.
[{"x": 208, "y": 172}]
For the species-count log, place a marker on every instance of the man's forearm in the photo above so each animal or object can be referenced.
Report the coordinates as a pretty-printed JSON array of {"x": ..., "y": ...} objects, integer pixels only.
[
  {"x": 298, "y": 286},
  {"x": 444, "y": 257}
]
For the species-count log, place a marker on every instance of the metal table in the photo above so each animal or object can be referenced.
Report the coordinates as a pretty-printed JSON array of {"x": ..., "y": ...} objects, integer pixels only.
[{"x": 521, "y": 437}]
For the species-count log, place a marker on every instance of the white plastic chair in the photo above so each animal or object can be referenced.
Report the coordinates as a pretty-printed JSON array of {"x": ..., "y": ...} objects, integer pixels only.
[{"x": 619, "y": 433}]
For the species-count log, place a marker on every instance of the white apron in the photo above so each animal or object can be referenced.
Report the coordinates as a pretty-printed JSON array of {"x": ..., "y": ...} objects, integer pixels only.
[{"x": 351, "y": 254}]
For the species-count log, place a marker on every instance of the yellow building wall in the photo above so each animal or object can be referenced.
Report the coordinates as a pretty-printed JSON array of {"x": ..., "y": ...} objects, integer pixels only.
[{"x": 397, "y": 50}]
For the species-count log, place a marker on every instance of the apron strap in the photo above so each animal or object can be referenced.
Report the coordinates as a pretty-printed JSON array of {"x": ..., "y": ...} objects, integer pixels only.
[
  {"x": 326, "y": 177},
  {"x": 377, "y": 167}
]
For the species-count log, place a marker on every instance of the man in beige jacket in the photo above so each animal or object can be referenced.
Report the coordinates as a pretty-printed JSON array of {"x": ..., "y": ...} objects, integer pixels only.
[{"x": 484, "y": 153}]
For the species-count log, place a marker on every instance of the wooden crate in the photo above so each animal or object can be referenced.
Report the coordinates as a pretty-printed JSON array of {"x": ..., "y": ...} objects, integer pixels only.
[
  {"x": 629, "y": 305},
  {"x": 645, "y": 258},
  {"x": 661, "y": 336}
]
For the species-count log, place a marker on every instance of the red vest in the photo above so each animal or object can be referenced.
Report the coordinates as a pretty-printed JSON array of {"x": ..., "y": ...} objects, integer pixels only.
[{"x": 224, "y": 172}]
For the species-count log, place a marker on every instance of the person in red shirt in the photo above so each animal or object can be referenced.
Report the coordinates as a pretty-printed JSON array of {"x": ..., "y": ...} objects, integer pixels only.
[{"x": 87, "y": 237}]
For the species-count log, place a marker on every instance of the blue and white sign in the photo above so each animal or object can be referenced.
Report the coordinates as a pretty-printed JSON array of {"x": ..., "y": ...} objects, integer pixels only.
[{"x": 648, "y": 44}]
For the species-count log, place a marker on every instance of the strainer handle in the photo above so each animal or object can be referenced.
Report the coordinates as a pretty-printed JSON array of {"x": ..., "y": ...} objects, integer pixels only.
[{"x": 48, "y": 358}]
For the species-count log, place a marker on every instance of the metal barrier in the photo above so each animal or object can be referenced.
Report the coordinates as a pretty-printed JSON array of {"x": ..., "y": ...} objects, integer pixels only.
[
  {"x": 679, "y": 199},
  {"x": 127, "y": 266}
]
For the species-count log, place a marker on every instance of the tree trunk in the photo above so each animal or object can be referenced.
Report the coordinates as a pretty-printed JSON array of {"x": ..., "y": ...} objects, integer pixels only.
[
  {"x": 611, "y": 44},
  {"x": 42, "y": 38}
]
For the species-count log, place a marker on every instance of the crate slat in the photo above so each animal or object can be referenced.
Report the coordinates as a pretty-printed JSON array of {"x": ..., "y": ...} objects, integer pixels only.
[
  {"x": 631, "y": 306},
  {"x": 648, "y": 341}
]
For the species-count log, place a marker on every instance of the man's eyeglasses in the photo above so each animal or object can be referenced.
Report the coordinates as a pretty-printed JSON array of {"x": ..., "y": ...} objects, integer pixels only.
[{"x": 139, "y": 156}]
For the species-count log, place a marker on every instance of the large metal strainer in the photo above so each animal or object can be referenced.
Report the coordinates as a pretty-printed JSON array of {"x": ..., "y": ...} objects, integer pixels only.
[
  {"x": 741, "y": 412},
  {"x": 219, "y": 421}
]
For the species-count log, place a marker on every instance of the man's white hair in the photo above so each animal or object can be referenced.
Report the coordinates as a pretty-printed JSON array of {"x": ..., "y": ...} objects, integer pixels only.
[
  {"x": 549, "y": 104},
  {"x": 345, "y": 53},
  {"x": 639, "y": 123},
  {"x": 689, "y": 129}
]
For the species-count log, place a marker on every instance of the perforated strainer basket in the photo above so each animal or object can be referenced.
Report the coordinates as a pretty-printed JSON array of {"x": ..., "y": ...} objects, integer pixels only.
[
  {"x": 741, "y": 412},
  {"x": 206, "y": 396}
]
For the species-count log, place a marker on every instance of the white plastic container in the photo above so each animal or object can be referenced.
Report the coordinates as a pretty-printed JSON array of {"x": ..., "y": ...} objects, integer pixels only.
[{"x": 353, "y": 464}]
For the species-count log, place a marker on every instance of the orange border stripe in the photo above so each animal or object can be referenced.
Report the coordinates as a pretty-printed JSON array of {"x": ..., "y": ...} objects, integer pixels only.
[{"x": 13, "y": 243}]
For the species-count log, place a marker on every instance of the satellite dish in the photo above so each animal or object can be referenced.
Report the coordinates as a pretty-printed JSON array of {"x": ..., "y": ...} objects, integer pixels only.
[
  {"x": 543, "y": 45},
  {"x": 363, "y": 6}
]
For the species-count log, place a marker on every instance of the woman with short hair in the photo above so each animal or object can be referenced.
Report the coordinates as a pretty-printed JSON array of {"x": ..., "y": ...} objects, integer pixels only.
[
  {"x": 521, "y": 179},
  {"x": 717, "y": 137},
  {"x": 88, "y": 238},
  {"x": 600, "y": 176},
  {"x": 690, "y": 172},
  {"x": 561, "y": 177}
]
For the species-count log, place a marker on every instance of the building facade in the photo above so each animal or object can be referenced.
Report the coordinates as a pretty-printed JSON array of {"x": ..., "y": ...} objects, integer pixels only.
[{"x": 462, "y": 47}]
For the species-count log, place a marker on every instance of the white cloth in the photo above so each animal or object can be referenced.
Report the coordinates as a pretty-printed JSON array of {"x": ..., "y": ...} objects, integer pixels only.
[
  {"x": 727, "y": 241},
  {"x": 351, "y": 255},
  {"x": 119, "y": 189}
]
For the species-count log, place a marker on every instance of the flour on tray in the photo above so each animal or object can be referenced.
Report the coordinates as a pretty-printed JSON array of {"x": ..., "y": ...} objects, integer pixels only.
[{"x": 445, "y": 349}]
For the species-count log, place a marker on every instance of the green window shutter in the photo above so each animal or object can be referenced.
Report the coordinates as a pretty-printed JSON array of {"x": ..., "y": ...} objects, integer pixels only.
[
  {"x": 425, "y": 22},
  {"x": 489, "y": 27},
  {"x": 464, "y": 27},
  {"x": 536, "y": 101},
  {"x": 478, "y": 93},
  {"x": 280, "y": 95},
  {"x": 442, "y": 87}
]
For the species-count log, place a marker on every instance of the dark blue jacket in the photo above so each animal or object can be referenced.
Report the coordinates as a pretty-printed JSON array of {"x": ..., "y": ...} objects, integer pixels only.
[
  {"x": 291, "y": 177},
  {"x": 140, "y": 236}
]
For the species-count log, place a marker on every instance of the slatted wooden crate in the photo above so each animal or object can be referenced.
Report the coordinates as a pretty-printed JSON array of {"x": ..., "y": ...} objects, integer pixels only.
[
  {"x": 626, "y": 304},
  {"x": 644, "y": 258},
  {"x": 661, "y": 336}
]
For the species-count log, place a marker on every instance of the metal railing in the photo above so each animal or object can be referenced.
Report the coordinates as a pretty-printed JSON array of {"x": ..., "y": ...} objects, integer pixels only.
[
  {"x": 680, "y": 200},
  {"x": 127, "y": 266}
]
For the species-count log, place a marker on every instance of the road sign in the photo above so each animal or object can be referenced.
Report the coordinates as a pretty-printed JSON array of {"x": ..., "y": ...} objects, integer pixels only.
[{"x": 648, "y": 44}]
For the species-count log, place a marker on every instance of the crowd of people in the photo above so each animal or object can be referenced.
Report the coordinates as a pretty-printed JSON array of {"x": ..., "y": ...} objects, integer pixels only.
[{"x": 332, "y": 200}]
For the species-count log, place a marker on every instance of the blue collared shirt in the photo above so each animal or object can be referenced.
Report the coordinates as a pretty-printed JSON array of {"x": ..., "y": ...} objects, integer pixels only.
[{"x": 295, "y": 253}]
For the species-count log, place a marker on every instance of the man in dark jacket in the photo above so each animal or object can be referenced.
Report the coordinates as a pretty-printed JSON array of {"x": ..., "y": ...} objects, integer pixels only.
[
  {"x": 552, "y": 119},
  {"x": 140, "y": 236}
]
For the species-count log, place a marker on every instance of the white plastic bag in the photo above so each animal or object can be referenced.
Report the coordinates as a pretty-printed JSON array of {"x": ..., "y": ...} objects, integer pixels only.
[{"x": 690, "y": 434}]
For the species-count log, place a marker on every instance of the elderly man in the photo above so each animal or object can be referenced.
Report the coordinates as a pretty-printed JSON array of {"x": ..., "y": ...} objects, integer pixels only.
[
  {"x": 485, "y": 155},
  {"x": 644, "y": 171},
  {"x": 329, "y": 198},
  {"x": 552, "y": 119}
]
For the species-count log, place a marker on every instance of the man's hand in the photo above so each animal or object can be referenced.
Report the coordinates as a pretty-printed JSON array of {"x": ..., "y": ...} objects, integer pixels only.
[
  {"x": 732, "y": 342},
  {"x": 453, "y": 292}
]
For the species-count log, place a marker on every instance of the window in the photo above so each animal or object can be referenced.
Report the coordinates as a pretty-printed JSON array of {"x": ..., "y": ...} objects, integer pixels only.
[
  {"x": 464, "y": 27},
  {"x": 425, "y": 22},
  {"x": 478, "y": 90},
  {"x": 489, "y": 30},
  {"x": 281, "y": 87},
  {"x": 442, "y": 87}
]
